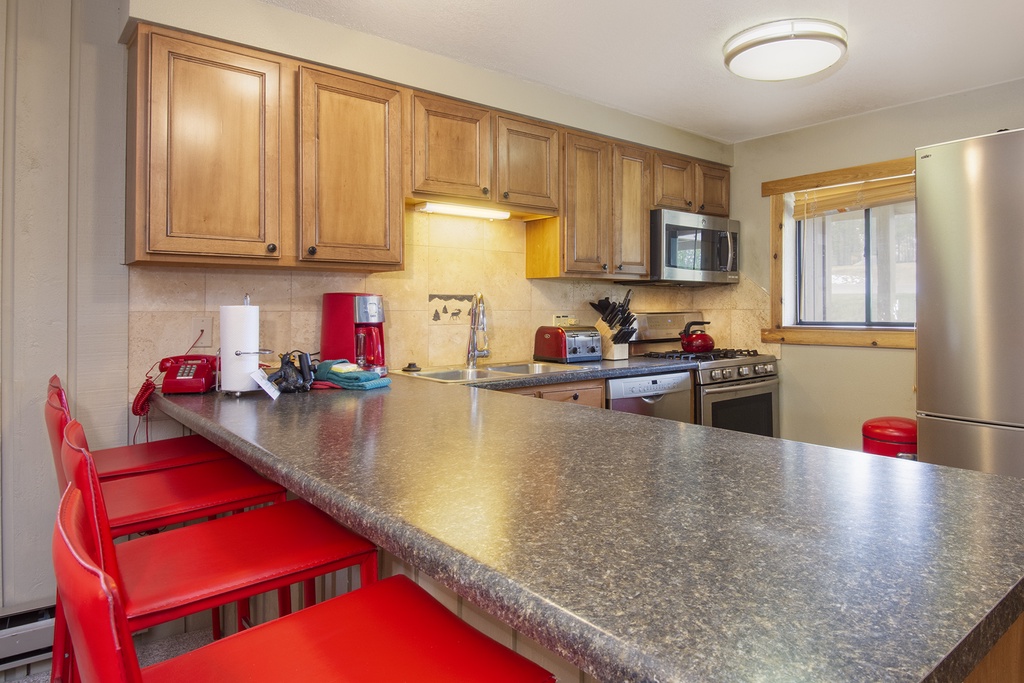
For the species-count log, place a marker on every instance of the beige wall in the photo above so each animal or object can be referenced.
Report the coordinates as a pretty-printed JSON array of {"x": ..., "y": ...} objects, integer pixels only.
[{"x": 827, "y": 392}]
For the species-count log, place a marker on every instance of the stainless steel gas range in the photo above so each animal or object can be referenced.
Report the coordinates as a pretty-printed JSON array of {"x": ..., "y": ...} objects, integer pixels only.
[{"x": 735, "y": 389}]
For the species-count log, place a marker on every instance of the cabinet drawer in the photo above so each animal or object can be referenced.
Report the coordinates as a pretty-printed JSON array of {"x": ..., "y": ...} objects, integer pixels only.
[{"x": 587, "y": 393}]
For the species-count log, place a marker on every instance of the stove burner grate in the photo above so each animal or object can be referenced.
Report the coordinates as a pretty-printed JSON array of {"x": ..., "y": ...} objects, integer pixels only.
[{"x": 716, "y": 354}]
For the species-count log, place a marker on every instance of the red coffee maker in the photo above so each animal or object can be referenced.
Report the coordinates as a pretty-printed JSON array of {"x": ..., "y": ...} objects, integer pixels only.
[{"x": 352, "y": 328}]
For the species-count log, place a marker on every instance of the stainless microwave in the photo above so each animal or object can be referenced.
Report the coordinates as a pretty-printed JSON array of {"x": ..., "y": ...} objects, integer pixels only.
[{"x": 687, "y": 248}]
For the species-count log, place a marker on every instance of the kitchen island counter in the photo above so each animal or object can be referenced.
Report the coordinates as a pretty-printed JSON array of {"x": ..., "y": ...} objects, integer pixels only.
[{"x": 643, "y": 549}]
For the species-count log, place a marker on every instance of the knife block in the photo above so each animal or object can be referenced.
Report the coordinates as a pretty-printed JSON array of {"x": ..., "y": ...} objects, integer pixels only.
[{"x": 610, "y": 351}]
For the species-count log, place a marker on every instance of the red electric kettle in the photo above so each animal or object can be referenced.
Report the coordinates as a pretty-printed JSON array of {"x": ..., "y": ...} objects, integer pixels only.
[{"x": 696, "y": 342}]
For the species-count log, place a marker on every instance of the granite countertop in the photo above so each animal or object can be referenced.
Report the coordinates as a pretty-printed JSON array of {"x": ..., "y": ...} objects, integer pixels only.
[{"x": 649, "y": 550}]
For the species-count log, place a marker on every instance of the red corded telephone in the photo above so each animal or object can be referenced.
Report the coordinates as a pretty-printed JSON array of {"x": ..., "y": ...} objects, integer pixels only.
[{"x": 189, "y": 374}]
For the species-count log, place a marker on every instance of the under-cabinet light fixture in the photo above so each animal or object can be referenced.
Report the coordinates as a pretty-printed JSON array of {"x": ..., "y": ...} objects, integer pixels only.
[
  {"x": 781, "y": 50},
  {"x": 461, "y": 210}
]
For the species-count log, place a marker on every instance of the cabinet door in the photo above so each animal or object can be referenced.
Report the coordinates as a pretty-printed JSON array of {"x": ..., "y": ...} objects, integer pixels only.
[
  {"x": 631, "y": 203},
  {"x": 674, "y": 179},
  {"x": 350, "y": 163},
  {"x": 587, "y": 204},
  {"x": 527, "y": 163},
  {"x": 712, "y": 190},
  {"x": 451, "y": 148},
  {"x": 214, "y": 151}
]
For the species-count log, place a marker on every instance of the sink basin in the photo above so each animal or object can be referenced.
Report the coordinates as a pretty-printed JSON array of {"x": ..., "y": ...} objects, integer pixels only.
[
  {"x": 535, "y": 368},
  {"x": 493, "y": 372},
  {"x": 458, "y": 375}
]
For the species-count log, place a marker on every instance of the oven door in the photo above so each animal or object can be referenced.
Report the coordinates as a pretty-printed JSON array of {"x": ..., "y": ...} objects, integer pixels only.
[{"x": 750, "y": 406}]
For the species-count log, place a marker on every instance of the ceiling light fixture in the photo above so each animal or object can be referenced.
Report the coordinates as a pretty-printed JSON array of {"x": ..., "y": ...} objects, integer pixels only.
[
  {"x": 781, "y": 50},
  {"x": 460, "y": 210}
]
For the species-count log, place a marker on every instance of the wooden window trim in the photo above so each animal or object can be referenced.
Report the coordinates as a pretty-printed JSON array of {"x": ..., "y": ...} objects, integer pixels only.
[{"x": 776, "y": 190}]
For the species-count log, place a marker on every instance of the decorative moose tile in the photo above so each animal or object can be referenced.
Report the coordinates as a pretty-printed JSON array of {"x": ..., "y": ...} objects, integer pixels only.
[{"x": 449, "y": 309}]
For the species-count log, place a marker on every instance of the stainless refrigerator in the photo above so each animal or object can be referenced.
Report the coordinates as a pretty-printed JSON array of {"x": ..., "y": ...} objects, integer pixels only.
[{"x": 970, "y": 303}]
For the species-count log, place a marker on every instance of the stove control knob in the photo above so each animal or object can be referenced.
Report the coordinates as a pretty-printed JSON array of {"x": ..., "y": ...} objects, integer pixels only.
[
  {"x": 769, "y": 367},
  {"x": 716, "y": 375},
  {"x": 759, "y": 369},
  {"x": 744, "y": 370},
  {"x": 727, "y": 373}
]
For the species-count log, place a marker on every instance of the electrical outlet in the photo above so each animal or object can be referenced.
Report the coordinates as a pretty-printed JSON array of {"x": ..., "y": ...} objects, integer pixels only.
[
  {"x": 202, "y": 330},
  {"x": 564, "y": 320}
]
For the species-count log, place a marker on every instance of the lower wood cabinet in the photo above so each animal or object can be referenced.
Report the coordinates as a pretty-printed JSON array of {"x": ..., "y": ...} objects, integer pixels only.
[{"x": 584, "y": 393}]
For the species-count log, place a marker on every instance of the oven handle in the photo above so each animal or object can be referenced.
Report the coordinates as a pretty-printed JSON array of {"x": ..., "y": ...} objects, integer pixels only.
[{"x": 773, "y": 381}]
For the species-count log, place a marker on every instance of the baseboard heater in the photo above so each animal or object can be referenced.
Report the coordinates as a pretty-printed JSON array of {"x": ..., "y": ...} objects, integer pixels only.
[{"x": 25, "y": 637}]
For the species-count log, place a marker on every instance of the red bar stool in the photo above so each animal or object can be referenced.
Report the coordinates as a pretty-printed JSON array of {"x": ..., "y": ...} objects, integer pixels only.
[
  {"x": 182, "y": 571},
  {"x": 389, "y": 631},
  {"x": 157, "y": 498},
  {"x": 122, "y": 461}
]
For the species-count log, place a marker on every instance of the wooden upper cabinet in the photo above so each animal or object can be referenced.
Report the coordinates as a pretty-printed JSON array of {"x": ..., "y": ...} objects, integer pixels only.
[
  {"x": 587, "y": 212},
  {"x": 213, "y": 156},
  {"x": 690, "y": 185},
  {"x": 451, "y": 147},
  {"x": 350, "y": 163},
  {"x": 674, "y": 178},
  {"x": 631, "y": 203},
  {"x": 712, "y": 190},
  {"x": 526, "y": 163}
]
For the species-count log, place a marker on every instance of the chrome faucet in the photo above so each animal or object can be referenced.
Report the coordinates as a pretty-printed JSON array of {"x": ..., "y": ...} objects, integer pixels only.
[{"x": 477, "y": 331}]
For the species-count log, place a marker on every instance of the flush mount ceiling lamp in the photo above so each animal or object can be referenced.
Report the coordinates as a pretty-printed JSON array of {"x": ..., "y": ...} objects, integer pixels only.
[
  {"x": 781, "y": 50},
  {"x": 460, "y": 210}
]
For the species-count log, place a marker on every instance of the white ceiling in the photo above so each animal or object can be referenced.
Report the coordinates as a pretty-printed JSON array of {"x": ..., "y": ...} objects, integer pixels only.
[{"x": 662, "y": 59}]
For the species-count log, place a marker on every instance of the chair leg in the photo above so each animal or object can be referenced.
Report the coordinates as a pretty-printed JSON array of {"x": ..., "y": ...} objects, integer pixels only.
[
  {"x": 60, "y": 665},
  {"x": 309, "y": 592},
  {"x": 368, "y": 572},
  {"x": 284, "y": 601},
  {"x": 244, "y": 617}
]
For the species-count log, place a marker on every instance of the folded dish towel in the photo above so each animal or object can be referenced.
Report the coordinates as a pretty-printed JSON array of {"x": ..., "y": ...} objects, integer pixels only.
[{"x": 347, "y": 378}]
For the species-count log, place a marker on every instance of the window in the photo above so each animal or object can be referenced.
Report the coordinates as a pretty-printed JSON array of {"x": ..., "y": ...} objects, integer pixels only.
[
  {"x": 857, "y": 267},
  {"x": 844, "y": 257}
]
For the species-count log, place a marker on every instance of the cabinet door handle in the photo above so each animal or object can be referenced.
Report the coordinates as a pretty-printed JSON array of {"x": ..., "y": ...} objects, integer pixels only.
[
  {"x": 604, "y": 266},
  {"x": 701, "y": 208},
  {"x": 618, "y": 267},
  {"x": 271, "y": 247},
  {"x": 504, "y": 195},
  {"x": 689, "y": 203},
  {"x": 487, "y": 190},
  {"x": 311, "y": 251},
  {"x": 576, "y": 397}
]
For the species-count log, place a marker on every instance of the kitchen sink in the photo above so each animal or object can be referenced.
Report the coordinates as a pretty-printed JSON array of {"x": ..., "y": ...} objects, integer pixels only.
[
  {"x": 493, "y": 372},
  {"x": 536, "y": 368}
]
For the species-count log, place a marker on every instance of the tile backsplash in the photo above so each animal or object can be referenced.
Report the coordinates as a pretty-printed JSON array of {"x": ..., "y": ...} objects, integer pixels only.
[{"x": 447, "y": 258}]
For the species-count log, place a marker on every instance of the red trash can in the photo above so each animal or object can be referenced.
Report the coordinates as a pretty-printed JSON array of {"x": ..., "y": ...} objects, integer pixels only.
[{"x": 892, "y": 436}]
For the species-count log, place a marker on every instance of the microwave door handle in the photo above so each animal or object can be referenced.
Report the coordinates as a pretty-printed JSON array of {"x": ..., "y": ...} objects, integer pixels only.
[{"x": 732, "y": 250}]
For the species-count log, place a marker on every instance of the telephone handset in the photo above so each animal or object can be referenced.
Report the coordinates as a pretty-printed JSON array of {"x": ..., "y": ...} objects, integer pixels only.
[{"x": 189, "y": 374}]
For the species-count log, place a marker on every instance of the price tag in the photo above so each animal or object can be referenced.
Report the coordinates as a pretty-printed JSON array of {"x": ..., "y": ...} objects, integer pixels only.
[{"x": 265, "y": 384}]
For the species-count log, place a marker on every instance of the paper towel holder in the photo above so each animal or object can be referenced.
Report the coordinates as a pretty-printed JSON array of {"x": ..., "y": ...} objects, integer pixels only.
[{"x": 260, "y": 352}]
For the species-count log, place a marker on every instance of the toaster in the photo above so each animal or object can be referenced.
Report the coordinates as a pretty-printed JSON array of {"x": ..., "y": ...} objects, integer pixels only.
[{"x": 567, "y": 344}]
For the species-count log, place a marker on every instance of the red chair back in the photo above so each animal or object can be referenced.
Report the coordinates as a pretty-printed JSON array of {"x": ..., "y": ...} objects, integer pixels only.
[
  {"x": 104, "y": 651},
  {"x": 80, "y": 469},
  {"x": 57, "y": 416}
]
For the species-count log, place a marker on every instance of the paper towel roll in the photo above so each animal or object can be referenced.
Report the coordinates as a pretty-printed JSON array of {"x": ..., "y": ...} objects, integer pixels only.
[{"x": 239, "y": 331}]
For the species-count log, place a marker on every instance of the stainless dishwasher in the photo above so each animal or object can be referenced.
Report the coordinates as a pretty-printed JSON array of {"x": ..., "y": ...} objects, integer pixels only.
[{"x": 668, "y": 396}]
